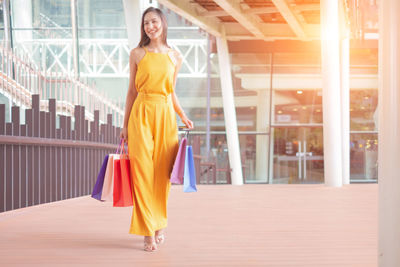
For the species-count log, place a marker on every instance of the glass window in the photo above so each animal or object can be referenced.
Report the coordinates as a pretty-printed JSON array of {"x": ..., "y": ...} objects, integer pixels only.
[
  {"x": 363, "y": 110},
  {"x": 42, "y": 32},
  {"x": 251, "y": 86},
  {"x": 217, "y": 165},
  {"x": 298, "y": 155},
  {"x": 103, "y": 46},
  {"x": 101, "y": 19},
  {"x": 298, "y": 106},
  {"x": 363, "y": 157}
]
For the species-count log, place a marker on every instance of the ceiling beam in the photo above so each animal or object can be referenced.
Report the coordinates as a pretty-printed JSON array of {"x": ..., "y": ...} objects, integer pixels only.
[
  {"x": 216, "y": 13},
  {"x": 290, "y": 18},
  {"x": 307, "y": 7},
  {"x": 248, "y": 21},
  {"x": 260, "y": 10},
  {"x": 272, "y": 31},
  {"x": 244, "y": 6},
  {"x": 189, "y": 12}
]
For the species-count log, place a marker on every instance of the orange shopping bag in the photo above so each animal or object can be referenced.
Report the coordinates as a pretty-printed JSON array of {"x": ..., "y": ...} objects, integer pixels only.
[{"x": 122, "y": 193}]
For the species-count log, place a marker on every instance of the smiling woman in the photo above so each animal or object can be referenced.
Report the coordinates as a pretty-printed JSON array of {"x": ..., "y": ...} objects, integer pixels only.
[
  {"x": 154, "y": 25},
  {"x": 150, "y": 126}
]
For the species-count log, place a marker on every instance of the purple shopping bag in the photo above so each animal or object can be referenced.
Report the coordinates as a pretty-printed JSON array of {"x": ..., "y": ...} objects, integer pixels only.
[
  {"x": 98, "y": 187},
  {"x": 179, "y": 165}
]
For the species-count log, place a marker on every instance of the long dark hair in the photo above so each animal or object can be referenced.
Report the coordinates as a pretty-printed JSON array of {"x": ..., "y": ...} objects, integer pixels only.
[{"x": 144, "y": 39}]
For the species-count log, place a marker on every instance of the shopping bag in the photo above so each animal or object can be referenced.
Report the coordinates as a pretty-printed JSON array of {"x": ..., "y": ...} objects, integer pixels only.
[
  {"x": 189, "y": 178},
  {"x": 127, "y": 181},
  {"x": 98, "y": 187},
  {"x": 122, "y": 193},
  {"x": 179, "y": 164},
  {"x": 108, "y": 185}
]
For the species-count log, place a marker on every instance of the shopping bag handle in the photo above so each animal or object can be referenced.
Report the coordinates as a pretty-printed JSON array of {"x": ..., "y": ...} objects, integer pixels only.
[
  {"x": 118, "y": 148},
  {"x": 121, "y": 151},
  {"x": 187, "y": 130}
]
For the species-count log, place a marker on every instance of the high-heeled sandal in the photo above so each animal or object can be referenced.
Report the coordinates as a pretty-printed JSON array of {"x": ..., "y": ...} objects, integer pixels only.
[
  {"x": 150, "y": 247},
  {"x": 160, "y": 239}
]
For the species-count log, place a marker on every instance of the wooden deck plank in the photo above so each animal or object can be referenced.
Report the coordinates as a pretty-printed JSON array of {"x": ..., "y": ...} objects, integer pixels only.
[{"x": 221, "y": 225}]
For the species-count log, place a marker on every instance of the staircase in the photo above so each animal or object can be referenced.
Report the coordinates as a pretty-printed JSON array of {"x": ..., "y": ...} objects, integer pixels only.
[{"x": 20, "y": 79}]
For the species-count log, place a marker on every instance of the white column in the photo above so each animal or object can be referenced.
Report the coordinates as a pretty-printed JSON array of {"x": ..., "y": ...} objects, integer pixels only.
[
  {"x": 345, "y": 107},
  {"x": 262, "y": 140},
  {"x": 229, "y": 111},
  {"x": 389, "y": 134},
  {"x": 331, "y": 92},
  {"x": 133, "y": 18}
]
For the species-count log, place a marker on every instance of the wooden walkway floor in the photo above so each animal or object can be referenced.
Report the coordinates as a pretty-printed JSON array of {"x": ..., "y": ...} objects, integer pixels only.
[{"x": 221, "y": 225}]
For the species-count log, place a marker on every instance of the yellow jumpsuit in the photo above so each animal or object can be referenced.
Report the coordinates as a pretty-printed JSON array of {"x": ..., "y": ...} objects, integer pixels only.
[{"x": 152, "y": 142}]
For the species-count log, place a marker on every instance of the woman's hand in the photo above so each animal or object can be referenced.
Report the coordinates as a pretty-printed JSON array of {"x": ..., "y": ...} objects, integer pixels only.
[
  {"x": 124, "y": 134},
  {"x": 186, "y": 121}
]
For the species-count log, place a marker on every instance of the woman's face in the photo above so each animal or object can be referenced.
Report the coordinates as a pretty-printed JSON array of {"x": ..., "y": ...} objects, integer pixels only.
[{"x": 152, "y": 25}]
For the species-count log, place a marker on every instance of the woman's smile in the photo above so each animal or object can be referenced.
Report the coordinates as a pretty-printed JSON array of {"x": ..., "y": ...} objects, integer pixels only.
[{"x": 152, "y": 25}]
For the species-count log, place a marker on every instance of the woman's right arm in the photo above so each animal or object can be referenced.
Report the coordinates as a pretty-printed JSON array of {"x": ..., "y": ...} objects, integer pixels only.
[{"x": 132, "y": 92}]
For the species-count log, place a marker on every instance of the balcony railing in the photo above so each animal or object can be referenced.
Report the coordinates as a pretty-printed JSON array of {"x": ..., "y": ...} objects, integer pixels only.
[{"x": 108, "y": 57}]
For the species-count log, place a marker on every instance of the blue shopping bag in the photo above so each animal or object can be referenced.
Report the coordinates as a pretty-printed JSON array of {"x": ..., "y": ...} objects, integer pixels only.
[
  {"x": 189, "y": 177},
  {"x": 98, "y": 187}
]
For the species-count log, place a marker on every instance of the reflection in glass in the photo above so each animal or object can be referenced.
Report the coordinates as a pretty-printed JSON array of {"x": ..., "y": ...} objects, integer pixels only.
[
  {"x": 248, "y": 151},
  {"x": 298, "y": 106},
  {"x": 363, "y": 110},
  {"x": 364, "y": 156},
  {"x": 217, "y": 164},
  {"x": 298, "y": 155}
]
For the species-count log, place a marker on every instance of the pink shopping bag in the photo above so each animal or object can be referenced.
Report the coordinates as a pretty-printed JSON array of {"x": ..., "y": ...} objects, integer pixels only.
[
  {"x": 108, "y": 185},
  {"x": 179, "y": 164}
]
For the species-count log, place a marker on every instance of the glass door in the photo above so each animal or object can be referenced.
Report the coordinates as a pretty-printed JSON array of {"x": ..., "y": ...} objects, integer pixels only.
[{"x": 297, "y": 155}]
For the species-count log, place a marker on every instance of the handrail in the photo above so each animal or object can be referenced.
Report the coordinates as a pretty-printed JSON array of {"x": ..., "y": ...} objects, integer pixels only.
[
  {"x": 24, "y": 140},
  {"x": 224, "y": 132},
  {"x": 114, "y": 52}
]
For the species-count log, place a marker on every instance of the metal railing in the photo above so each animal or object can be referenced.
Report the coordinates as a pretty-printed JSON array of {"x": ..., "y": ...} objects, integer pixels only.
[
  {"x": 20, "y": 78},
  {"x": 41, "y": 163},
  {"x": 109, "y": 57}
]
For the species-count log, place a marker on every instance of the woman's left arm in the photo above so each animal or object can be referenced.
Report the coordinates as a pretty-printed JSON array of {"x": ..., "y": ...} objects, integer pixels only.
[{"x": 177, "y": 107}]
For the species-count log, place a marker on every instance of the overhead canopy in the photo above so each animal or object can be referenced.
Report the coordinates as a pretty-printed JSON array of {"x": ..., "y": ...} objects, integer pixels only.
[
  {"x": 266, "y": 20},
  {"x": 264, "y": 26}
]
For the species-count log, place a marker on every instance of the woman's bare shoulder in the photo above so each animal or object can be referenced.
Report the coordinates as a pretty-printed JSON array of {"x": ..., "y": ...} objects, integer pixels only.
[
  {"x": 137, "y": 54},
  {"x": 176, "y": 56}
]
